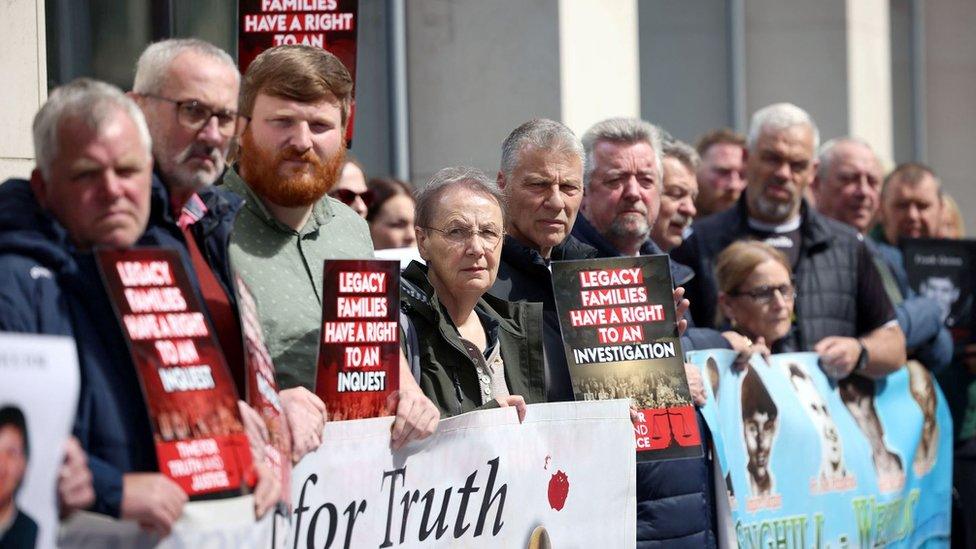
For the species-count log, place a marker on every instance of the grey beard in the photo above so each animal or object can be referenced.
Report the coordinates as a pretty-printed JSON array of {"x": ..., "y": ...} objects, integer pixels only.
[
  {"x": 776, "y": 211},
  {"x": 620, "y": 231}
]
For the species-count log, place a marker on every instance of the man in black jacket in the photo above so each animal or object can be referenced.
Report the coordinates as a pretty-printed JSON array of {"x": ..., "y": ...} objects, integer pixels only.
[{"x": 842, "y": 310}]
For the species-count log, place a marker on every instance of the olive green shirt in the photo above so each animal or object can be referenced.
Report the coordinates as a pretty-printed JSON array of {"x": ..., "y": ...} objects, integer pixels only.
[{"x": 283, "y": 269}]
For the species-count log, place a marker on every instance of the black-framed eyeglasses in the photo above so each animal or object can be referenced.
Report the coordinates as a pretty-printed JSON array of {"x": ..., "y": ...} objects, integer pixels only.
[
  {"x": 193, "y": 115},
  {"x": 347, "y": 197},
  {"x": 461, "y": 235},
  {"x": 764, "y": 294}
]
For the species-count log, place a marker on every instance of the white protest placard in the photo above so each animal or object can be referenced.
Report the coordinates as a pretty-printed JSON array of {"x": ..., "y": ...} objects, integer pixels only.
[
  {"x": 38, "y": 397},
  {"x": 482, "y": 480}
]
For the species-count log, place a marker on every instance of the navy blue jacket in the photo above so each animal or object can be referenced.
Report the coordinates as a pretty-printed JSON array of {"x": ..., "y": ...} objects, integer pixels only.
[
  {"x": 49, "y": 287},
  {"x": 675, "y": 498}
]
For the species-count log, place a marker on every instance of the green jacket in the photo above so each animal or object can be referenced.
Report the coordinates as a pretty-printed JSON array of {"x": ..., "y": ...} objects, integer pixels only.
[{"x": 447, "y": 373}]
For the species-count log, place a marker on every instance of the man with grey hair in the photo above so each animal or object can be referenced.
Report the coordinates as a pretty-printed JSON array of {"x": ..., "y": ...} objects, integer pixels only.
[
  {"x": 90, "y": 188},
  {"x": 847, "y": 188},
  {"x": 678, "y": 195},
  {"x": 842, "y": 311},
  {"x": 622, "y": 181},
  {"x": 541, "y": 179}
]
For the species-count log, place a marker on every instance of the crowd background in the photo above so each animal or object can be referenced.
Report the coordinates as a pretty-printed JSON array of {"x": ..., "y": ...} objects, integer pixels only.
[{"x": 899, "y": 73}]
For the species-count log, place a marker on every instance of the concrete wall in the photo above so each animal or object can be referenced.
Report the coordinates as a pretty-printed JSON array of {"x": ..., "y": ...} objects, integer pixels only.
[
  {"x": 25, "y": 88},
  {"x": 950, "y": 92},
  {"x": 684, "y": 65},
  {"x": 869, "y": 74},
  {"x": 477, "y": 70}
]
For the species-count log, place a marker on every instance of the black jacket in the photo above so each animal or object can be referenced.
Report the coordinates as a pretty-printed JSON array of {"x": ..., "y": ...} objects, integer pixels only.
[
  {"x": 524, "y": 276},
  {"x": 826, "y": 272}
]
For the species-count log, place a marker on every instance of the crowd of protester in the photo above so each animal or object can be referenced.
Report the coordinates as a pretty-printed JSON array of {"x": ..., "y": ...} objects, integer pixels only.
[{"x": 778, "y": 243}]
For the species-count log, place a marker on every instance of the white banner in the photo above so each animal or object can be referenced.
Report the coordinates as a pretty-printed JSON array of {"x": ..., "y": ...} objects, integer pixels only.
[
  {"x": 483, "y": 480},
  {"x": 564, "y": 478}
]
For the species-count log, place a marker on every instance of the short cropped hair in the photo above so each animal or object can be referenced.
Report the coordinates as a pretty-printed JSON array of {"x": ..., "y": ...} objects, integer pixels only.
[
  {"x": 298, "y": 73},
  {"x": 778, "y": 117},
  {"x": 13, "y": 416},
  {"x": 755, "y": 397},
  {"x": 737, "y": 261},
  {"x": 720, "y": 136},
  {"x": 683, "y": 153},
  {"x": 90, "y": 101},
  {"x": 541, "y": 134},
  {"x": 911, "y": 173},
  {"x": 624, "y": 131},
  {"x": 455, "y": 177},
  {"x": 155, "y": 61}
]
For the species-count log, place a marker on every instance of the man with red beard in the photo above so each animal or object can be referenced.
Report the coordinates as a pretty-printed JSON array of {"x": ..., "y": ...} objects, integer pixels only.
[{"x": 295, "y": 101}]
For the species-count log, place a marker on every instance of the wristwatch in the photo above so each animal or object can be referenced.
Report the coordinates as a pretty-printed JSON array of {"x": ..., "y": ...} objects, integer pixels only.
[{"x": 862, "y": 359}]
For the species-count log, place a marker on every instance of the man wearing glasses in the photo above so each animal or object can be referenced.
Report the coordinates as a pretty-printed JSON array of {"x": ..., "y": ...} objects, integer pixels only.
[{"x": 188, "y": 91}]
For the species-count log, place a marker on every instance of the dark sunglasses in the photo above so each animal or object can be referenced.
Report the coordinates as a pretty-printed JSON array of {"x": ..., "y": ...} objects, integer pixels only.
[{"x": 347, "y": 197}]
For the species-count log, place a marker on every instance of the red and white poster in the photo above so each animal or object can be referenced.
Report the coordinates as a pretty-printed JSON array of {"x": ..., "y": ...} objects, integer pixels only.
[
  {"x": 192, "y": 402},
  {"x": 328, "y": 24},
  {"x": 619, "y": 330},
  {"x": 359, "y": 349},
  {"x": 262, "y": 389}
]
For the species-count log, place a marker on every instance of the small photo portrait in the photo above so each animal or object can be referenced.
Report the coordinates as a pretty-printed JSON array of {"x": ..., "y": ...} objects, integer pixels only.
[
  {"x": 857, "y": 392},
  {"x": 17, "y": 529},
  {"x": 923, "y": 391},
  {"x": 759, "y": 428},
  {"x": 946, "y": 290},
  {"x": 711, "y": 368},
  {"x": 813, "y": 404}
]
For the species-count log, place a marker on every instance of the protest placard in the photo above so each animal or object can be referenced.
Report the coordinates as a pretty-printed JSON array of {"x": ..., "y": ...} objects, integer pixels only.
[
  {"x": 810, "y": 462},
  {"x": 38, "y": 399},
  {"x": 619, "y": 329},
  {"x": 190, "y": 396},
  {"x": 359, "y": 349}
]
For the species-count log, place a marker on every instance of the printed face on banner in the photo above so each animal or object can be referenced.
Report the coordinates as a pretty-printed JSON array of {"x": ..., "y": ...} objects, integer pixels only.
[
  {"x": 359, "y": 351},
  {"x": 942, "y": 270},
  {"x": 200, "y": 440},
  {"x": 831, "y": 448},
  {"x": 618, "y": 325},
  {"x": 858, "y": 395},
  {"x": 923, "y": 391}
]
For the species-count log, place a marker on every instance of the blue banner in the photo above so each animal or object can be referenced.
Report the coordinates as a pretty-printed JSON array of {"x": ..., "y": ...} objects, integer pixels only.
[{"x": 814, "y": 463}]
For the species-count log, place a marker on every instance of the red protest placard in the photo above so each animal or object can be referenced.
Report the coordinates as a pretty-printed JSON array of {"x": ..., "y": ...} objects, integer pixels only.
[
  {"x": 619, "y": 330},
  {"x": 262, "y": 389},
  {"x": 328, "y": 24},
  {"x": 359, "y": 348},
  {"x": 190, "y": 395}
]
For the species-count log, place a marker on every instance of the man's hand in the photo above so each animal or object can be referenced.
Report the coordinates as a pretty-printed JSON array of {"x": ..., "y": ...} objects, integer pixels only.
[
  {"x": 416, "y": 415},
  {"x": 838, "y": 355},
  {"x": 75, "y": 490},
  {"x": 306, "y": 419},
  {"x": 152, "y": 500},
  {"x": 256, "y": 430},
  {"x": 267, "y": 492},
  {"x": 695, "y": 385},
  {"x": 513, "y": 400},
  {"x": 680, "y": 308}
]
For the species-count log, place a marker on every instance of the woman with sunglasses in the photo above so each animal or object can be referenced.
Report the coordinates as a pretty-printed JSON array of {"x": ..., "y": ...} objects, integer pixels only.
[
  {"x": 351, "y": 189},
  {"x": 756, "y": 295}
]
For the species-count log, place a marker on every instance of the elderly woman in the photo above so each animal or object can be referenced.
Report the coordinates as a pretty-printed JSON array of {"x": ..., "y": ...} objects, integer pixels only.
[
  {"x": 391, "y": 215},
  {"x": 756, "y": 296},
  {"x": 476, "y": 351}
]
